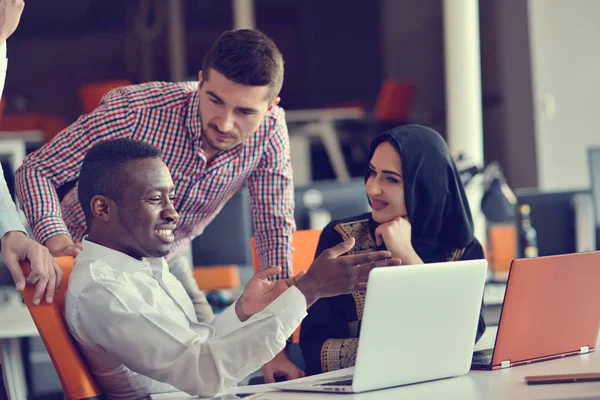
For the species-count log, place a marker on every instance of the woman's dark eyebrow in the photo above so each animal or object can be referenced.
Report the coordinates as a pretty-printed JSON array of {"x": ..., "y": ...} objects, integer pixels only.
[{"x": 385, "y": 171}]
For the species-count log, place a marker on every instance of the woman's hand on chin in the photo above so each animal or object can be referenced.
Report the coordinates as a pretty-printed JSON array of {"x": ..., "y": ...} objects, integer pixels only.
[{"x": 396, "y": 235}]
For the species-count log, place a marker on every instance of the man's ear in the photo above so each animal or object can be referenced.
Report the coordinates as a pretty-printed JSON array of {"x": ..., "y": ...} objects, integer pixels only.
[
  {"x": 102, "y": 207},
  {"x": 274, "y": 103}
]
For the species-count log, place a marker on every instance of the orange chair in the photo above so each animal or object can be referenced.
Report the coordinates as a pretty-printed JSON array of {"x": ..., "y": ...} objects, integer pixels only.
[
  {"x": 91, "y": 93},
  {"x": 48, "y": 124},
  {"x": 76, "y": 379},
  {"x": 305, "y": 244},
  {"x": 217, "y": 277},
  {"x": 501, "y": 246},
  {"x": 395, "y": 101}
]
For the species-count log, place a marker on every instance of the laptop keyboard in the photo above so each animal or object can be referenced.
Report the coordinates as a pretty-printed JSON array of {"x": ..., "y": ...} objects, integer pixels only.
[{"x": 341, "y": 382}]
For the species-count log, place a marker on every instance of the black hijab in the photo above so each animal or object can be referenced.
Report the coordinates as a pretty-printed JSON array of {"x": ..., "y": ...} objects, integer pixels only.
[{"x": 436, "y": 203}]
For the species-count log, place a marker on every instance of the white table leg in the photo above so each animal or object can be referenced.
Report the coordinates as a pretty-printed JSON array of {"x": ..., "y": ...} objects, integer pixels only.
[
  {"x": 301, "y": 160},
  {"x": 12, "y": 369}
]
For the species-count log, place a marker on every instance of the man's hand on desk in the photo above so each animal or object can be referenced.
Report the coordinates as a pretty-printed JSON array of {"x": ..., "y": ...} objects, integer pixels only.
[
  {"x": 62, "y": 245},
  {"x": 332, "y": 273},
  {"x": 281, "y": 366},
  {"x": 260, "y": 292},
  {"x": 45, "y": 274}
]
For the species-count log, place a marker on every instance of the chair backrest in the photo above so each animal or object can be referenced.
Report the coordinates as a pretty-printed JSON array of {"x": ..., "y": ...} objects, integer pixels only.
[
  {"x": 91, "y": 93},
  {"x": 502, "y": 246},
  {"x": 216, "y": 277},
  {"x": 76, "y": 379},
  {"x": 305, "y": 244},
  {"x": 395, "y": 101}
]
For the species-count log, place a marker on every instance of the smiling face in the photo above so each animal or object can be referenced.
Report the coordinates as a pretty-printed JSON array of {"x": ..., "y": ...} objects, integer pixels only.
[
  {"x": 230, "y": 112},
  {"x": 385, "y": 186},
  {"x": 141, "y": 222}
]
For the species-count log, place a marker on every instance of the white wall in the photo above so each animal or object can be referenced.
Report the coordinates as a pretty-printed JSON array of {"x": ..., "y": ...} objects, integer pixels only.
[{"x": 565, "y": 54}]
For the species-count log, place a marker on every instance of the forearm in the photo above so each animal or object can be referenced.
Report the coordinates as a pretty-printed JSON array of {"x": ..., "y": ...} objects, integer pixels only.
[
  {"x": 309, "y": 289},
  {"x": 272, "y": 200},
  {"x": 59, "y": 162},
  {"x": 412, "y": 259},
  {"x": 37, "y": 195},
  {"x": 274, "y": 248}
]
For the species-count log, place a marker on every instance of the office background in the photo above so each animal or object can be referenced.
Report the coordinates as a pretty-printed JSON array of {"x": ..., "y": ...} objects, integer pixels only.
[{"x": 539, "y": 80}]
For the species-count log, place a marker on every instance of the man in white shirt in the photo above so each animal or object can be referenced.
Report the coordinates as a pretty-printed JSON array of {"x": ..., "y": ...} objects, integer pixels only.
[
  {"x": 16, "y": 245},
  {"x": 133, "y": 320}
]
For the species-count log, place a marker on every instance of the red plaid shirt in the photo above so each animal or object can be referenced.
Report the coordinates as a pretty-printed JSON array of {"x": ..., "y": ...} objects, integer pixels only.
[{"x": 166, "y": 115}]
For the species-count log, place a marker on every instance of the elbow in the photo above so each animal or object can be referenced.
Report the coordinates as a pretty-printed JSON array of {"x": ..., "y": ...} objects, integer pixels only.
[
  {"x": 211, "y": 380},
  {"x": 206, "y": 388},
  {"x": 212, "y": 388},
  {"x": 19, "y": 175}
]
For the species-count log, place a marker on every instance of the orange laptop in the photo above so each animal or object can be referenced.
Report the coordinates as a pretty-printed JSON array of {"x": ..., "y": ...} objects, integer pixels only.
[{"x": 551, "y": 309}]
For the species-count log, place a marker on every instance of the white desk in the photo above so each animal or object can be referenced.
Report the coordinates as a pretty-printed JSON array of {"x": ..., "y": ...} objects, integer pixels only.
[
  {"x": 16, "y": 323},
  {"x": 493, "y": 294},
  {"x": 34, "y": 136},
  {"x": 14, "y": 151},
  {"x": 318, "y": 123},
  {"x": 502, "y": 384},
  {"x": 12, "y": 145}
]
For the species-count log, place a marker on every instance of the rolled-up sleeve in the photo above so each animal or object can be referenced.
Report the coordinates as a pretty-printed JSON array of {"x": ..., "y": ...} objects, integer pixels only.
[{"x": 272, "y": 201}]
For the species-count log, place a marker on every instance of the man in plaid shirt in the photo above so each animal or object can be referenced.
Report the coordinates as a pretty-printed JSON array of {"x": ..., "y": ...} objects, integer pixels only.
[{"x": 217, "y": 134}]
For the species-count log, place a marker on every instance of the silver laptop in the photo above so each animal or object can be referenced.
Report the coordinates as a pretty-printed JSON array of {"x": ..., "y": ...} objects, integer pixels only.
[{"x": 419, "y": 324}]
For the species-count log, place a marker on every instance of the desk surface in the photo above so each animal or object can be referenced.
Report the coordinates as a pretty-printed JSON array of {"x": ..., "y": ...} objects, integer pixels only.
[
  {"x": 323, "y": 114},
  {"x": 502, "y": 384},
  {"x": 33, "y": 136}
]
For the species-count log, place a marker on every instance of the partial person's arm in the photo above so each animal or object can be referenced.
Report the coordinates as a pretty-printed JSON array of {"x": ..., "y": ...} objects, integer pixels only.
[
  {"x": 272, "y": 200},
  {"x": 16, "y": 246},
  {"x": 475, "y": 252},
  {"x": 9, "y": 219},
  {"x": 59, "y": 162},
  {"x": 324, "y": 324},
  {"x": 178, "y": 355}
]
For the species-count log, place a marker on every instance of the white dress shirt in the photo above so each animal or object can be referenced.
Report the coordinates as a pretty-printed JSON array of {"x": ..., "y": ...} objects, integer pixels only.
[
  {"x": 138, "y": 330},
  {"x": 9, "y": 219}
]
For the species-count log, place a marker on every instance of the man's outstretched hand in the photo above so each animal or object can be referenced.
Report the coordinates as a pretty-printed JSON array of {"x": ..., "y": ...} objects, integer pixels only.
[
  {"x": 333, "y": 273},
  {"x": 260, "y": 292}
]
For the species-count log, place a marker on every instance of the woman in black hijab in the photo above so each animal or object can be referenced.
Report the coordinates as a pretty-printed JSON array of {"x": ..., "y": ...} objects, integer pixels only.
[{"x": 420, "y": 214}]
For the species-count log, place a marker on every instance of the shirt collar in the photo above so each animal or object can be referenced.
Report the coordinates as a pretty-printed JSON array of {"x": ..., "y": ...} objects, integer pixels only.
[
  {"x": 192, "y": 119},
  {"x": 120, "y": 261}
]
